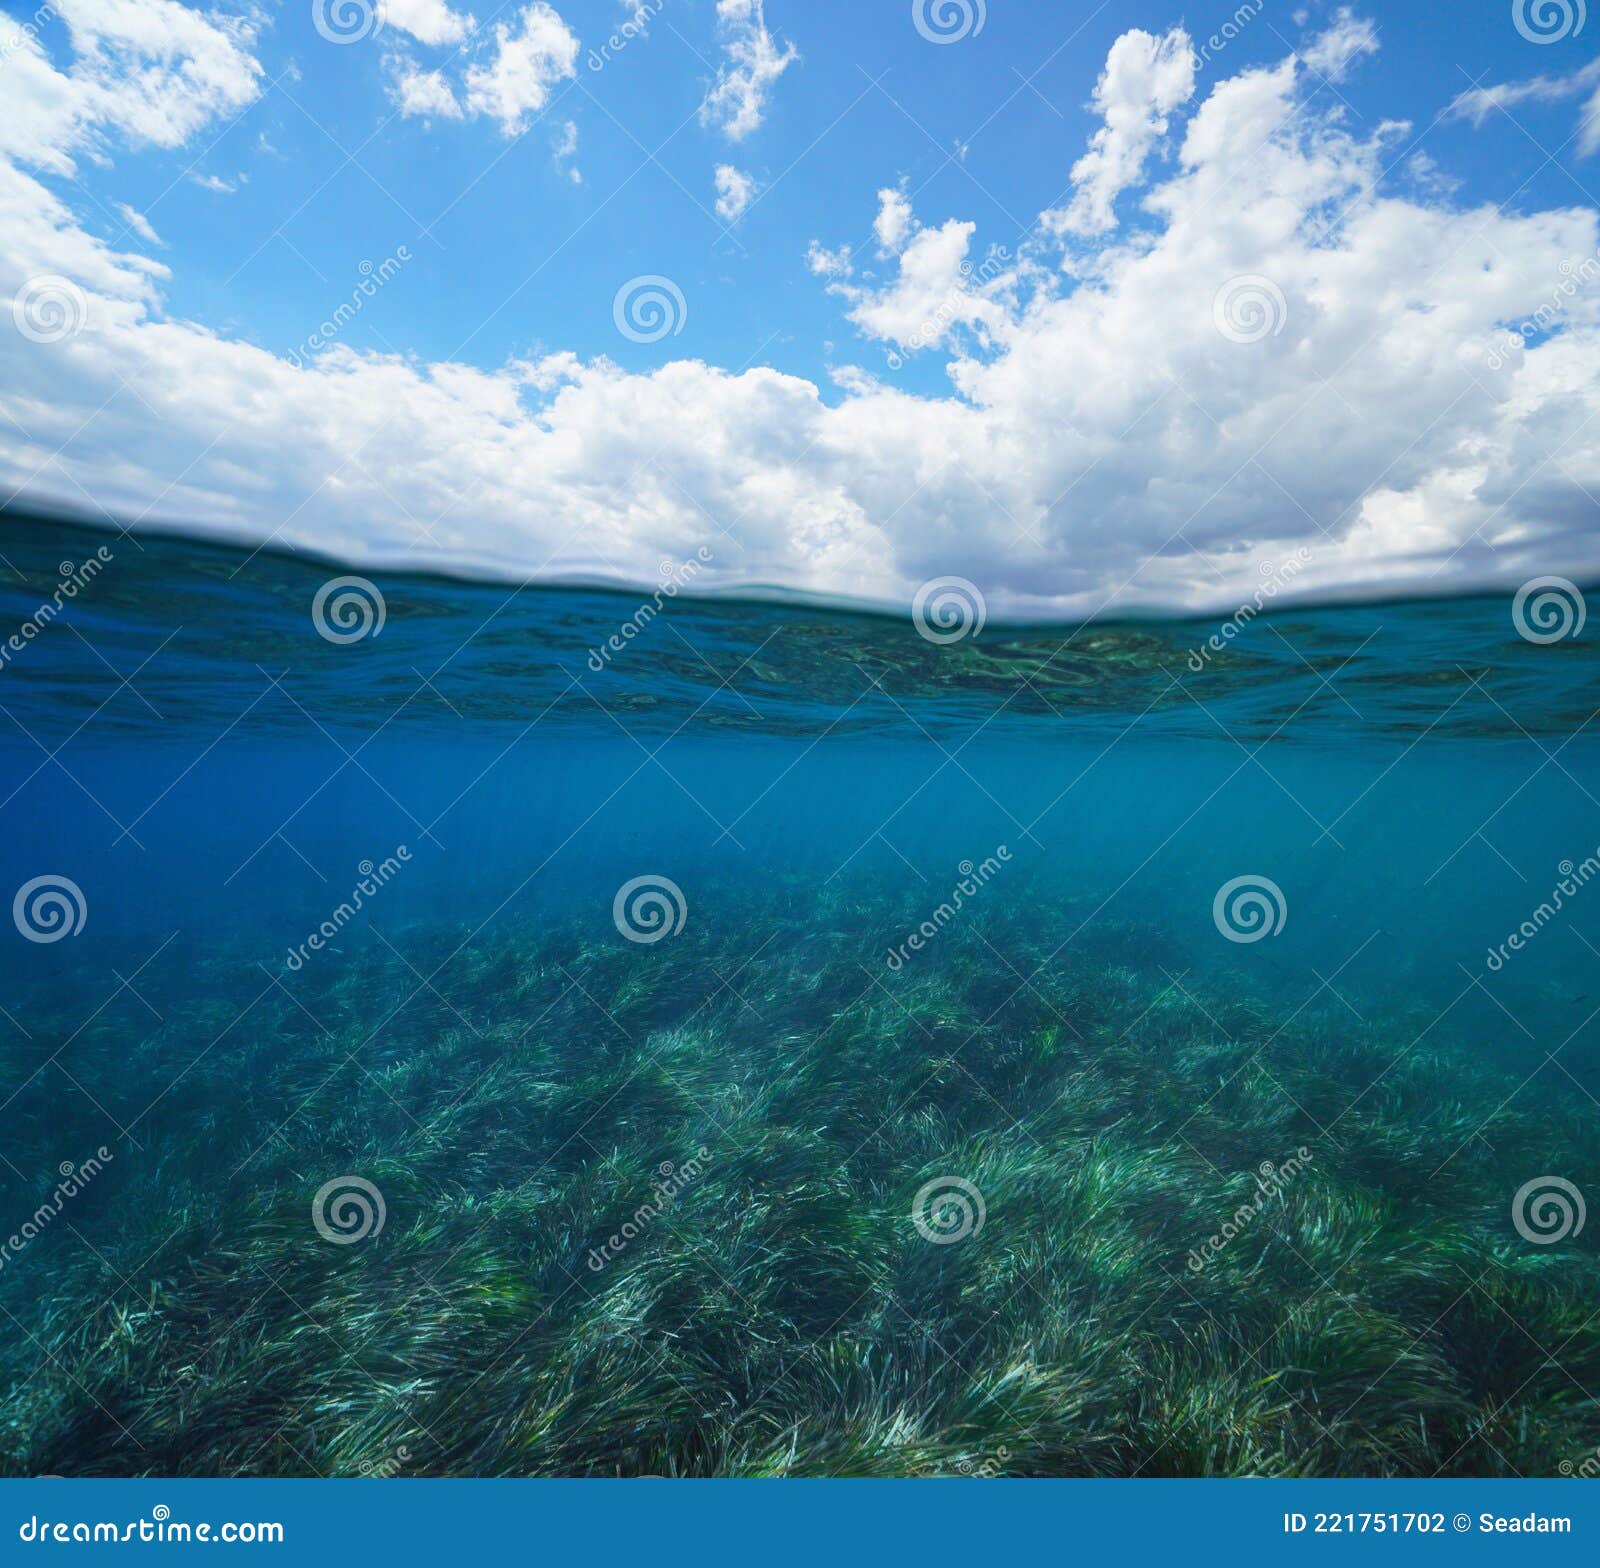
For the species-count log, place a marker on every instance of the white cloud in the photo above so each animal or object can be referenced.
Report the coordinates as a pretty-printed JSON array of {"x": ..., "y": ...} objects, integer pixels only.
[
  {"x": 1333, "y": 52},
  {"x": 424, "y": 93},
  {"x": 1429, "y": 177},
  {"x": 509, "y": 80},
  {"x": 213, "y": 182},
  {"x": 752, "y": 62},
  {"x": 1100, "y": 444},
  {"x": 1478, "y": 103},
  {"x": 158, "y": 72},
  {"x": 140, "y": 224},
  {"x": 47, "y": 114},
  {"x": 825, "y": 263},
  {"x": 150, "y": 72},
  {"x": 529, "y": 60},
  {"x": 42, "y": 236},
  {"x": 735, "y": 191},
  {"x": 566, "y": 149},
  {"x": 1145, "y": 79},
  {"x": 936, "y": 289},
  {"x": 430, "y": 22},
  {"x": 894, "y": 222}
]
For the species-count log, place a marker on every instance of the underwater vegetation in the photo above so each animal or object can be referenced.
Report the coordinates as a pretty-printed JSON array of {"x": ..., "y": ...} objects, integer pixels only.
[
  {"x": 746, "y": 1201},
  {"x": 813, "y": 1175}
]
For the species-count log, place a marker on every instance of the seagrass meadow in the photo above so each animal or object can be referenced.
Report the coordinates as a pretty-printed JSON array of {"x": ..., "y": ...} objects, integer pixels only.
[{"x": 785, "y": 1043}]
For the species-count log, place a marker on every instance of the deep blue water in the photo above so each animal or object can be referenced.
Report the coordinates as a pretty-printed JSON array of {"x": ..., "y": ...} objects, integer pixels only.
[
  {"x": 197, "y": 779},
  {"x": 185, "y": 747}
]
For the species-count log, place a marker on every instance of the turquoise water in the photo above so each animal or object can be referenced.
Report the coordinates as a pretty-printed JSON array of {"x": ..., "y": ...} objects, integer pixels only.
[{"x": 1063, "y": 1050}]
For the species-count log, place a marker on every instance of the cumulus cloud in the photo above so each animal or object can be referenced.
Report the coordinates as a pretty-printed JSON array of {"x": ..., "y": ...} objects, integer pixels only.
[
  {"x": 428, "y": 21},
  {"x": 894, "y": 222},
  {"x": 423, "y": 93},
  {"x": 530, "y": 57},
  {"x": 1145, "y": 79},
  {"x": 735, "y": 191},
  {"x": 752, "y": 62},
  {"x": 935, "y": 288},
  {"x": 145, "y": 72},
  {"x": 1116, "y": 435},
  {"x": 509, "y": 81},
  {"x": 825, "y": 263}
]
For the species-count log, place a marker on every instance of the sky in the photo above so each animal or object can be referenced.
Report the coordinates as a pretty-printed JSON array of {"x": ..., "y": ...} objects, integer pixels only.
[{"x": 1100, "y": 308}]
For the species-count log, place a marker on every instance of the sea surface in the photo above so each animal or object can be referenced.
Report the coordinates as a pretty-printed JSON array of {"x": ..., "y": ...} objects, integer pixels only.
[{"x": 480, "y": 1029}]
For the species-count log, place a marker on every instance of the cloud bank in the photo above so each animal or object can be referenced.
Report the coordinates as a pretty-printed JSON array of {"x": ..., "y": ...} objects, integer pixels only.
[{"x": 1239, "y": 342}]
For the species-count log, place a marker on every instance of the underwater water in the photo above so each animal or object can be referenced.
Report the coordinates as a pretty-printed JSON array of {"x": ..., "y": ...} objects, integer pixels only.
[{"x": 487, "y": 1030}]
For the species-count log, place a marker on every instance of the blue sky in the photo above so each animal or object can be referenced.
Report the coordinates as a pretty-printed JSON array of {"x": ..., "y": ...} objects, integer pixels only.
[
  {"x": 268, "y": 166},
  {"x": 984, "y": 129}
]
